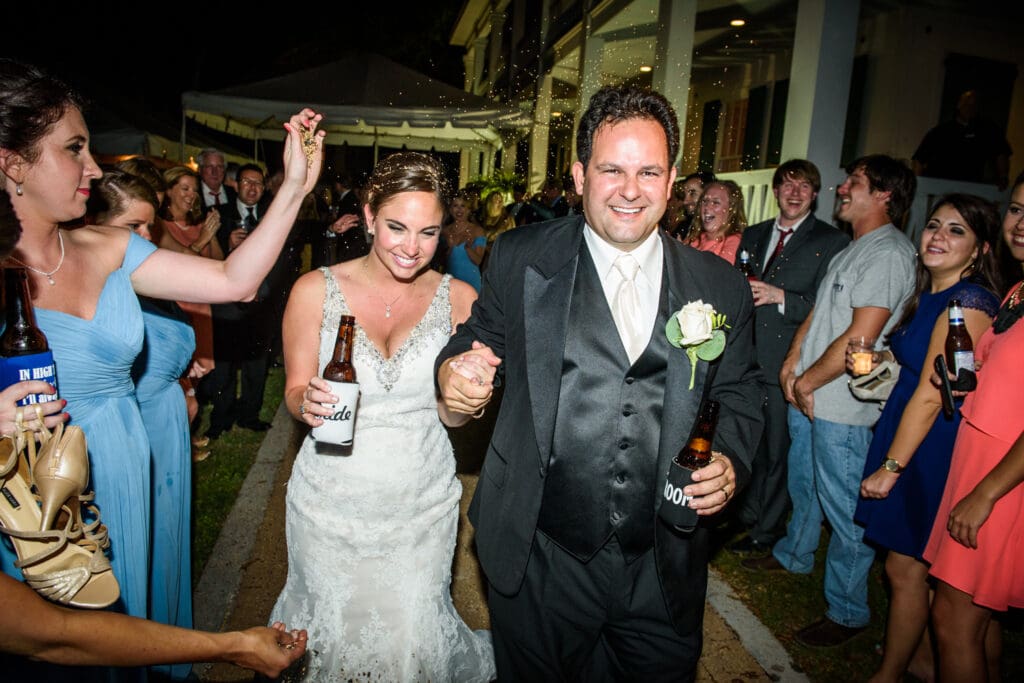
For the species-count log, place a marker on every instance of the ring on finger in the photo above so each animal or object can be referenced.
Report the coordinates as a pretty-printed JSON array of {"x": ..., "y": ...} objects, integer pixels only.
[{"x": 302, "y": 408}]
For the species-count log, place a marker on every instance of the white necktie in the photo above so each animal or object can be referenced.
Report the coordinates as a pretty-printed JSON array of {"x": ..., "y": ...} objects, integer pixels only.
[{"x": 626, "y": 307}]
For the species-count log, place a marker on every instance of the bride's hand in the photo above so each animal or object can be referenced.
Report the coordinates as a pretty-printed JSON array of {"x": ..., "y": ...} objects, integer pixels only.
[
  {"x": 303, "y": 149},
  {"x": 315, "y": 401}
]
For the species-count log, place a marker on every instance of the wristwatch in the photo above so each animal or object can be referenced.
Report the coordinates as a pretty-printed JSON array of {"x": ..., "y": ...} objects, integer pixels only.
[{"x": 891, "y": 465}]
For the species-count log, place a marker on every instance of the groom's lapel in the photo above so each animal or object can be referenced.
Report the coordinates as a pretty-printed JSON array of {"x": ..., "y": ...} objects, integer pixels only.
[
  {"x": 681, "y": 403},
  {"x": 547, "y": 292}
]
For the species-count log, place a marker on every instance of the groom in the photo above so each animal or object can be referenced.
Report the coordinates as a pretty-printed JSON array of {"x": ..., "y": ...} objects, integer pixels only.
[{"x": 586, "y": 583}]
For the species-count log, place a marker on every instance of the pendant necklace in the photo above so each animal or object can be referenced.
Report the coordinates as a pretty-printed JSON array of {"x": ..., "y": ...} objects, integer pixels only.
[
  {"x": 387, "y": 306},
  {"x": 48, "y": 276}
]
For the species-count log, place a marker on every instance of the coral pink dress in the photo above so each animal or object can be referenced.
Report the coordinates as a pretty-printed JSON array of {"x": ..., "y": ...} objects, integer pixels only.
[
  {"x": 993, "y": 574},
  {"x": 726, "y": 247}
]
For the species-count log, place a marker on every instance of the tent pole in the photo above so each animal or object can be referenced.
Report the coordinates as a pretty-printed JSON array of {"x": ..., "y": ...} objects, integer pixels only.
[{"x": 375, "y": 148}]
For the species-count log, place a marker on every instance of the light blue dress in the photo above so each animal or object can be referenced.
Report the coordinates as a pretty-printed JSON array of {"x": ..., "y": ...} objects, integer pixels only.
[
  {"x": 166, "y": 353},
  {"x": 461, "y": 267},
  {"x": 94, "y": 361}
]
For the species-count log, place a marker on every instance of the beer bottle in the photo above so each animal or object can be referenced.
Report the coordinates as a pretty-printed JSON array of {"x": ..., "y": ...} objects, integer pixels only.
[
  {"x": 25, "y": 350},
  {"x": 959, "y": 347},
  {"x": 339, "y": 427},
  {"x": 696, "y": 453},
  {"x": 744, "y": 265},
  {"x": 340, "y": 369}
]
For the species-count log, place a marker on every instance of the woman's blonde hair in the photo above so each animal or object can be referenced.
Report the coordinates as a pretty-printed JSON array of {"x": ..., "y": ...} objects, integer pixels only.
[
  {"x": 171, "y": 176},
  {"x": 736, "y": 220}
]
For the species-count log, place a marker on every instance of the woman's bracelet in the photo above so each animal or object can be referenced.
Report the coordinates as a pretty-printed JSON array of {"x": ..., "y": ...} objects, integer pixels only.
[{"x": 192, "y": 248}]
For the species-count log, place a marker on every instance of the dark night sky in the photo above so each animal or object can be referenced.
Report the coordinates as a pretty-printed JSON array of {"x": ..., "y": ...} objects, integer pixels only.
[{"x": 114, "y": 55}]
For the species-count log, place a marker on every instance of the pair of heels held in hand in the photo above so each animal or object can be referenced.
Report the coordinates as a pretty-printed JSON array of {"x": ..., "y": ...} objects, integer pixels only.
[{"x": 60, "y": 555}]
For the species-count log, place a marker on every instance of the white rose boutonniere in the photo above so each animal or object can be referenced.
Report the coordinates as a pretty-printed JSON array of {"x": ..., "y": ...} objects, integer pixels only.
[{"x": 697, "y": 328}]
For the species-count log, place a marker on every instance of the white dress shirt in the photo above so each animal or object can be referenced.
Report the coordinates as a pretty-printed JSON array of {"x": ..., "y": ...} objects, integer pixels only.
[{"x": 650, "y": 256}]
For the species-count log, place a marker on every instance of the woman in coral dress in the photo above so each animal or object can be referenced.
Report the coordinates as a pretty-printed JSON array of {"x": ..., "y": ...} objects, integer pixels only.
[{"x": 977, "y": 545}]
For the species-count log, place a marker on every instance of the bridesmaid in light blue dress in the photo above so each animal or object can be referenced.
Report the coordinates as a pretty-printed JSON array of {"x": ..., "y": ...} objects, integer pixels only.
[
  {"x": 84, "y": 285},
  {"x": 166, "y": 353}
]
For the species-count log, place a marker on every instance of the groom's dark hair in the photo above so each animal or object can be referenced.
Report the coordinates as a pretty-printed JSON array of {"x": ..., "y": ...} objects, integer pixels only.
[{"x": 614, "y": 103}]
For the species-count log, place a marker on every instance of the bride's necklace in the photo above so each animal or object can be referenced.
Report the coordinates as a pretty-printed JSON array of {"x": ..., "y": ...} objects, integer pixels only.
[
  {"x": 387, "y": 304},
  {"x": 48, "y": 276}
]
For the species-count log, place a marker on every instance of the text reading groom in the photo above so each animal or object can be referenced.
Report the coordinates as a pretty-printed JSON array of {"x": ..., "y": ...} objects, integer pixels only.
[{"x": 585, "y": 582}]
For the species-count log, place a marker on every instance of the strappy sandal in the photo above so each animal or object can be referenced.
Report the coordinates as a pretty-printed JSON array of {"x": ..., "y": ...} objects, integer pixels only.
[{"x": 66, "y": 564}]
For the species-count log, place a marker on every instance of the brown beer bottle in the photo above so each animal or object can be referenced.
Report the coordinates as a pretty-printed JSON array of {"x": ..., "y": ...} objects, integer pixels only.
[
  {"x": 340, "y": 369},
  {"x": 959, "y": 347},
  {"x": 25, "y": 349},
  {"x": 697, "y": 451},
  {"x": 674, "y": 509},
  {"x": 744, "y": 265}
]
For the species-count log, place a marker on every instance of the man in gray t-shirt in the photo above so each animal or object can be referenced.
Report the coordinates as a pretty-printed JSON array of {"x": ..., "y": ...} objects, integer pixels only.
[{"x": 862, "y": 294}]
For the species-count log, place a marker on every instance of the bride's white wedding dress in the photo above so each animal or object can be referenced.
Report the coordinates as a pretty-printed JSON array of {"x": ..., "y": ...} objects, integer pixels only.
[{"x": 371, "y": 534}]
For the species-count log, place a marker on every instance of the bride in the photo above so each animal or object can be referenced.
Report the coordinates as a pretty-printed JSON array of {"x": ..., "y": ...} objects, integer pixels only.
[{"x": 371, "y": 534}]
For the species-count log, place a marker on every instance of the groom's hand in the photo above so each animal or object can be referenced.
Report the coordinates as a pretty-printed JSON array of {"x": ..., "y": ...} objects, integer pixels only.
[
  {"x": 714, "y": 486},
  {"x": 467, "y": 380}
]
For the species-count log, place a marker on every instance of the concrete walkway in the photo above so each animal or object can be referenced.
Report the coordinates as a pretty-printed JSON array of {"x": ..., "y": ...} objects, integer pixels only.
[{"x": 248, "y": 566}]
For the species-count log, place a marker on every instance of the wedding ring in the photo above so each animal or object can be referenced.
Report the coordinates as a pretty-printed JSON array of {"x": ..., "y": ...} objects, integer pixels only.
[{"x": 302, "y": 408}]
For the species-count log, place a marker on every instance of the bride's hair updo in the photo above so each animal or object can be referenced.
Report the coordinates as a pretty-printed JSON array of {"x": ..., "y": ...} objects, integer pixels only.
[{"x": 406, "y": 172}]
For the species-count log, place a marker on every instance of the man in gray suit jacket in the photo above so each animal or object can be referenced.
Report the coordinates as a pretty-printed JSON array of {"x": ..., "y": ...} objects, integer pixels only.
[
  {"x": 790, "y": 255},
  {"x": 585, "y": 581}
]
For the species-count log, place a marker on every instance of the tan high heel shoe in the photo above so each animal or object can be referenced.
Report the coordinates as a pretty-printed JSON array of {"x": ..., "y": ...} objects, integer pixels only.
[{"x": 66, "y": 565}]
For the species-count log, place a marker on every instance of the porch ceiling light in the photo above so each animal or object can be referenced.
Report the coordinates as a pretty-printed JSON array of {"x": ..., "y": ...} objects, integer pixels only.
[
  {"x": 645, "y": 68},
  {"x": 738, "y": 22}
]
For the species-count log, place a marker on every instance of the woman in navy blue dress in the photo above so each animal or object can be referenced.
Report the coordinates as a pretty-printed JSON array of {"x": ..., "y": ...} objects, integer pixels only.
[{"x": 899, "y": 503}]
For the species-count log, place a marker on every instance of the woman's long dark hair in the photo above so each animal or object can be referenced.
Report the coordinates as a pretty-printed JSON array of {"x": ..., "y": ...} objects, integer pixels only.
[{"x": 982, "y": 218}]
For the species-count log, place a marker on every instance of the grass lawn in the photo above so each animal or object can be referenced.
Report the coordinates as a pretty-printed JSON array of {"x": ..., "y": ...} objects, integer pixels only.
[
  {"x": 217, "y": 480},
  {"x": 787, "y": 602}
]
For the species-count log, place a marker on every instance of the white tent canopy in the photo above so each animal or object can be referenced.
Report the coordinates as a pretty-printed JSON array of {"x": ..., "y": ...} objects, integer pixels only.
[{"x": 366, "y": 100}]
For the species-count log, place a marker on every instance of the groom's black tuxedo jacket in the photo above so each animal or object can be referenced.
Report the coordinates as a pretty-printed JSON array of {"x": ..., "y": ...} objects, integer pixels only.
[{"x": 522, "y": 314}]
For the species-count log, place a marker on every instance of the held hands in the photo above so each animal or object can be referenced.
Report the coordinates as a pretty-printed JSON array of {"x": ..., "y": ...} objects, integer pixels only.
[
  {"x": 269, "y": 651},
  {"x": 303, "y": 150},
  {"x": 317, "y": 402},
  {"x": 714, "y": 485},
  {"x": 467, "y": 380}
]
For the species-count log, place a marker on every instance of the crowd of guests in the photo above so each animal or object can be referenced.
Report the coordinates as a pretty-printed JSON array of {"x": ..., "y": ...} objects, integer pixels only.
[
  {"x": 171, "y": 289},
  {"x": 938, "y": 494}
]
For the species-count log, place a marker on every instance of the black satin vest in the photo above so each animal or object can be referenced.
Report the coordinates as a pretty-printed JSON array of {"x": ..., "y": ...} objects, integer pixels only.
[{"x": 601, "y": 476}]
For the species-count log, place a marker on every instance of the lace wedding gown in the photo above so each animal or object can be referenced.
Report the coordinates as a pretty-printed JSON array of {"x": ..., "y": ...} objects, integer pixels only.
[{"x": 371, "y": 534}]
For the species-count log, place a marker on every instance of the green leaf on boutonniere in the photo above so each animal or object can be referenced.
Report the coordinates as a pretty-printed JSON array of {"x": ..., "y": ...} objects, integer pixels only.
[
  {"x": 712, "y": 348},
  {"x": 673, "y": 333}
]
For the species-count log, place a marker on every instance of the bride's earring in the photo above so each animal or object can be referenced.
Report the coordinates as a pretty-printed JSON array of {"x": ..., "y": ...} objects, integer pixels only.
[{"x": 17, "y": 189}]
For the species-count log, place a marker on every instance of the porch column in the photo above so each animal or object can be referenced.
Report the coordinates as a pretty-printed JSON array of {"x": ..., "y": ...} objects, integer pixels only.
[
  {"x": 539, "y": 134},
  {"x": 819, "y": 89},
  {"x": 591, "y": 55},
  {"x": 673, "y": 56}
]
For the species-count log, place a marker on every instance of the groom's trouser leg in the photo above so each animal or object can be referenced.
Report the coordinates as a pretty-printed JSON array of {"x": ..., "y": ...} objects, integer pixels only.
[{"x": 603, "y": 620}]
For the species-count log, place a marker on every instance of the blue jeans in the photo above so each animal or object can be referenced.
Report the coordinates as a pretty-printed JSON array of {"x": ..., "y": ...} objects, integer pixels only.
[{"x": 826, "y": 464}]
